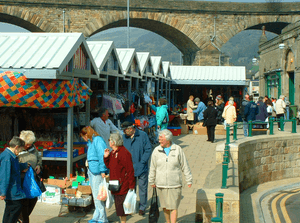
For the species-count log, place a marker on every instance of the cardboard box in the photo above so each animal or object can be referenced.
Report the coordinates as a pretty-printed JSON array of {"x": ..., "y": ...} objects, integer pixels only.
[
  {"x": 71, "y": 191},
  {"x": 220, "y": 130},
  {"x": 56, "y": 182},
  {"x": 184, "y": 129},
  {"x": 199, "y": 130},
  {"x": 52, "y": 195},
  {"x": 85, "y": 189}
]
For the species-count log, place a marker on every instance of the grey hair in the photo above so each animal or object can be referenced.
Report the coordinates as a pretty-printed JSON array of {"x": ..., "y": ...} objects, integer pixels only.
[
  {"x": 28, "y": 136},
  {"x": 281, "y": 96},
  {"x": 116, "y": 138},
  {"x": 167, "y": 133},
  {"x": 230, "y": 102}
]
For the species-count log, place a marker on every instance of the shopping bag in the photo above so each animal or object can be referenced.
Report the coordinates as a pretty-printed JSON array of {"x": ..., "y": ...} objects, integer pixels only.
[
  {"x": 154, "y": 211},
  {"x": 102, "y": 192},
  {"x": 30, "y": 187},
  {"x": 129, "y": 204},
  {"x": 109, "y": 200},
  {"x": 40, "y": 183}
]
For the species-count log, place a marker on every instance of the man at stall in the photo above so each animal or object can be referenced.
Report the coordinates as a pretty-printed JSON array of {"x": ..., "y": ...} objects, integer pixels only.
[
  {"x": 104, "y": 126},
  {"x": 138, "y": 144}
]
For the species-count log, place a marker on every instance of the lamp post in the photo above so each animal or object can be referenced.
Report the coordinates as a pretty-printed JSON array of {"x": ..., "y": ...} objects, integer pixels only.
[{"x": 128, "y": 41}]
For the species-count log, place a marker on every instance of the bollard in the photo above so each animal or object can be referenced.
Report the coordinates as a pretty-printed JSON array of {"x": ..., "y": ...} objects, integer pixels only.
[
  {"x": 294, "y": 125},
  {"x": 227, "y": 134},
  {"x": 219, "y": 208},
  {"x": 250, "y": 128},
  {"x": 281, "y": 124},
  {"x": 271, "y": 126},
  {"x": 234, "y": 131},
  {"x": 224, "y": 175}
]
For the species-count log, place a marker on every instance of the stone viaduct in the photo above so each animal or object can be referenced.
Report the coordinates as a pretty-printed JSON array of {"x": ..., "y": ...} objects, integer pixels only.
[{"x": 197, "y": 29}]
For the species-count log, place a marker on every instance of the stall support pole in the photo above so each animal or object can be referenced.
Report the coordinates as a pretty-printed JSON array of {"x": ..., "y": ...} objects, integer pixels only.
[
  {"x": 157, "y": 92},
  {"x": 129, "y": 92},
  {"x": 173, "y": 90},
  {"x": 167, "y": 96},
  {"x": 145, "y": 90},
  {"x": 162, "y": 86},
  {"x": 137, "y": 84},
  {"x": 117, "y": 85},
  {"x": 70, "y": 142},
  {"x": 106, "y": 85},
  {"x": 169, "y": 101},
  {"x": 88, "y": 106}
]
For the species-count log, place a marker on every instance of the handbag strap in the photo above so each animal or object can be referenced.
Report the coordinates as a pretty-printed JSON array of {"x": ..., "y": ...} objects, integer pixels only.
[{"x": 154, "y": 196}]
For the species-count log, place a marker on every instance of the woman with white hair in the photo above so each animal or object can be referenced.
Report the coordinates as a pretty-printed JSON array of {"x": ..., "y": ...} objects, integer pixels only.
[
  {"x": 167, "y": 164},
  {"x": 29, "y": 155},
  {"x": 119, "y": 163},
  {"x": 280, "y": 107},
  {"x": 229, "y": 113}
]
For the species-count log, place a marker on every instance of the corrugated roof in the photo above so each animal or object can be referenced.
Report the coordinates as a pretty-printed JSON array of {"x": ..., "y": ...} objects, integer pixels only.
[
  {"x": 143, "y": 58},
  {"x": 48, "y": 51},
  {"x": 101, "y": 51},
  {"x": 126, "y": 57},
  {"x": 208, "y": 75},
  {"x": 166, "y": 68},
  {"x": 156, "y": 62}
]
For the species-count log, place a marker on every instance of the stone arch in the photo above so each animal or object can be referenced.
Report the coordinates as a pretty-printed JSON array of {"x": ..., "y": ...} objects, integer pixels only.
[
  {"x": 183, "y": 37},
  {"x": 25, "y": 19},
  {"x": 272, "y": 23}
]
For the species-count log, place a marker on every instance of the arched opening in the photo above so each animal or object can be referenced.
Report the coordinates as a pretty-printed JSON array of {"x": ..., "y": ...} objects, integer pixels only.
[
  {"x": 18, "y": 22},
  {"x": 173, "y": 35},
  {"x": 143, "y": 41}
]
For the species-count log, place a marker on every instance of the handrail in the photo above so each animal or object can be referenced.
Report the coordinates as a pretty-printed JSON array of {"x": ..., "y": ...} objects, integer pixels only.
[{"x": 219, "y": 208}]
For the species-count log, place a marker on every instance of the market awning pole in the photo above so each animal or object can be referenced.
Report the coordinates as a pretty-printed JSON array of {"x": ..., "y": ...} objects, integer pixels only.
[
  {"x": 70, "y": 142},
  {"x": 129, "y": 91},
  {"x": 173, "y": 90},
  {"x": 157, "y": 92},
  {"x": 166, "y": 88},
  {"x": 88, "y": 106},
  {"x": 117, "y": 85},
  {"x": 145, "y": 90},
  {"x": 162, "y": 86},
  {"x": 169, "y": 84}
]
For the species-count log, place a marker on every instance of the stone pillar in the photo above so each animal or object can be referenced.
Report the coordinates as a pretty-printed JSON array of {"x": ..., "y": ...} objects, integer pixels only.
[{"x": 202, "y": 58}]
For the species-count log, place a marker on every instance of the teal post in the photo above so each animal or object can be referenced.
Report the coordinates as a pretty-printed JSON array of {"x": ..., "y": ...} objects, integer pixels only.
[
  {"x": 250, "y": 128},
  {"x": 271, "y": 125},
  {"x": 224, "y": 175},
  {"x": 294, "y": 125},
  {"x": 226, "y": 154},
  {"x": 227, "y": 134},
  {"x": 234, "y": 131},
  {"x": 219, "y": 208},
  {"x": 281, "y": 124}
]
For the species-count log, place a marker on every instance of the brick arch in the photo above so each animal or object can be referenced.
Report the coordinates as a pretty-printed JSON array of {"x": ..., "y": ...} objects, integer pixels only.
[
  {"x": 273, "y": 24},
  {"x": 25, "y": 19},
  {"x": 178, "y": 33}
]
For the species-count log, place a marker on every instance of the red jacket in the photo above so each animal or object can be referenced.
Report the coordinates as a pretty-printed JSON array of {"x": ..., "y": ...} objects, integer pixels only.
[{"x": 119, "y": 163}]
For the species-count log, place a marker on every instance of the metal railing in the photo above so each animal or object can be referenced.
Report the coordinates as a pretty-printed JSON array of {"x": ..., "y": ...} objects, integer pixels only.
[{"x": 219, "y": 208}]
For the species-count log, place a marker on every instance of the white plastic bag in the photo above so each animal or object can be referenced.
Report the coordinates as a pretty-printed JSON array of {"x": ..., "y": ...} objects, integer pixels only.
[
  {"x": 102, "y": 192},
  {"x": 129, "y": 204},
  {"x": 109, "y": 199}
]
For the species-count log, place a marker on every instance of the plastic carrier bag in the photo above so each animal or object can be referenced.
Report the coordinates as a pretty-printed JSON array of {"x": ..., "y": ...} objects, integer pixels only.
[
  {"x": 109, "y": 200},
  {"x": 30, "y": 187},
  {"x": 129, "y": 204},
  {"x": 102, "y": 192}
]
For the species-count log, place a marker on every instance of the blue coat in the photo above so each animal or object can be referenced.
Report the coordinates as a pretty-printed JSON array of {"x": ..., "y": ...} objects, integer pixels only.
[
  {"x": 95, "y": 155},
  {"x": 161, "y": 114},
  {"x": 251, "y": 110},
  {"x": 262, "y": 111},
  {"x": 10, "y": 176},
  {"x": 140, "y": 149},
  {"x": 199, "y": 111}
]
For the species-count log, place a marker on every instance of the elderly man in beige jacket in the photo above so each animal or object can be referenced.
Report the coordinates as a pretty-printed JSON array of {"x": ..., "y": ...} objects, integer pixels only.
[
  {"x": 189, "y": 107},
  {"x": 280, "y": 109}
]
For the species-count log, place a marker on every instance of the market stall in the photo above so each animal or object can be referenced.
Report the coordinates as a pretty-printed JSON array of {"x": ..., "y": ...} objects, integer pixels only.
[{"x": 42, "y": 77}]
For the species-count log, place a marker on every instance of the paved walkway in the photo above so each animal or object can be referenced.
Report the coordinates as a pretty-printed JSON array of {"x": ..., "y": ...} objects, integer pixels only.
[{"x": 201, "y": 158}]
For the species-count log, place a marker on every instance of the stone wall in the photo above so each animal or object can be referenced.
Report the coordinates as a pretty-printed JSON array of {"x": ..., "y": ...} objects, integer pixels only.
[{"x": 268, "y": 159}]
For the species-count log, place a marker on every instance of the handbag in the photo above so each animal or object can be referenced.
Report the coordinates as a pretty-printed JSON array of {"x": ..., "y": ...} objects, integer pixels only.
[
  {"x": 154, "y": 211},
  {"x": 40, "y": 183},
  {"x": 114, "y": 185}
]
